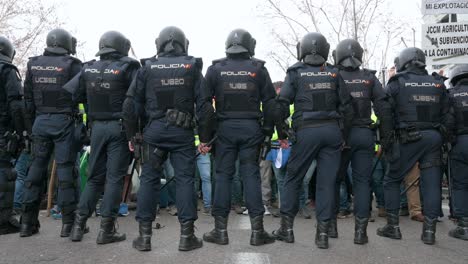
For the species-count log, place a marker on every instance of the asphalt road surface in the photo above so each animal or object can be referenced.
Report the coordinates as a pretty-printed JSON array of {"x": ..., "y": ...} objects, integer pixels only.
[{"x": 48, "y": 247}]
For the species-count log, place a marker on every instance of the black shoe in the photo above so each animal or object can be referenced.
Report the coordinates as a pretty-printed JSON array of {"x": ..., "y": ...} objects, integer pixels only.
[
  {"x": 143, "y": 242},
  {"x": 285, "y": 232},
  {"x": 68, "y": 217},
  {"x": 259, "y": 235},
  {"x": 391, "y": 229},
  {"x": 188, "y": 240},
  {"x": 461, "y": 231},
  {"x": 360, "y": 231},
  {"x": 219, "y": 234},
  {"x": 305, "y": 212},
  {"x": 238, "y": 209},
  {"x": 274, "y": 211},
  {"x": 8, "y": 223},
  {"x": 321, "y": 236},
  {"x": 429, "y": 229},
  {"x": 29, "y": 221},
  {"x": 343, "y": 214},
  {"x": 79, "y": 228},
  {"x": 108, "y": 233},
  {"x": 333, "y": 229}
]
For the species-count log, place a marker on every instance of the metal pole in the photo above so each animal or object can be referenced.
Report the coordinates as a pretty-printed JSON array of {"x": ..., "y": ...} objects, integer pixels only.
[{"x": 354, "y": 19}]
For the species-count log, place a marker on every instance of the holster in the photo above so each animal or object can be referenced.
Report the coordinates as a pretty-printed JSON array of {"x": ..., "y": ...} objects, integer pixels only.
[
  {"x": 181, "y": 119},
  {"x": 410, "y": 135},
  {"x": 158, "y": 158},
  {"x": 266, "y": 146}
]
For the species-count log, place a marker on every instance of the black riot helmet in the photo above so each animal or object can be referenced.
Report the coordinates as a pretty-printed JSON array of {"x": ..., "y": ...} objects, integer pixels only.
[
  {"x": 60, "y": 41},
  {"x": 411, "y": 56},
  {"x": 240, "y": 41},
  {"x": 349, "y": 53},
  {"x": 313, "y": 49},
  {"x": 7, "y": 51},
  {"x": 458, "y": 73},
  {"x": 113, "y": 41},
  {"x": 172, "y": 39}
]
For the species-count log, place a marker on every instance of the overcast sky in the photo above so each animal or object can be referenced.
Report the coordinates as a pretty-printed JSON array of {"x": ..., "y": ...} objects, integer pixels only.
[{"x": 206, "y": 24}]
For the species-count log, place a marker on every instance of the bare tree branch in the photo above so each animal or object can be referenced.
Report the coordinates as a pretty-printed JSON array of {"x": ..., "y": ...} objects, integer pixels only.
[
  {"x": 377, "y": 31},
  {"x": 25, "y": 24}
]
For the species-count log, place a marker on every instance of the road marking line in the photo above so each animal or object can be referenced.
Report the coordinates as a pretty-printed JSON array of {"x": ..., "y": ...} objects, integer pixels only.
[{"x": 248, "y": 257}]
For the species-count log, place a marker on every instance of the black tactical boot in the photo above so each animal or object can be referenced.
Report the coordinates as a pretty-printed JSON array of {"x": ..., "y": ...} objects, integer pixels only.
[
  {"x": 429, "y": 229},
  {"x": 8, "y": 223},
  {"x": 143, "y": 242},
  {"x": 188, "y": 240},
  {"x": 333, "y": 229},
  {"x": 79, "y": 227},
  {"x": 321, "y": 236},
  {"x": 360, "y": 231},
  {"x": 219, "y": 234},
  {"x": 259, "y": 235},
  {"x": 461, "y": 231},
  {"x": 391, "y": 229},
  {"x": 108, "y": 233},
  {"x": 68, "y": 216},
  {"x": 285, "y": 232},
  {"x": 29, "y": 222}
]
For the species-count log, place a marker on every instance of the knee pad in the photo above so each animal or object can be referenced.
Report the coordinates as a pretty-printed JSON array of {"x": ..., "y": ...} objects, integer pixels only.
[
  {"x": 34, "y": 179},
  {"x": 66, "y": 184},
  {"x": 41, "y": 149},
  {"x": 66, "y": 176},
  {"x": 7, "y": 192}
]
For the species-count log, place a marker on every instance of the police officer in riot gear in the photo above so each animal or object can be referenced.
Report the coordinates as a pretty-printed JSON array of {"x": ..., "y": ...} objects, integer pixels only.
[
  {"x": 168, "y": 88},
  {"x": 102, "y": 86},
  {"x": 459, "y": 153},
  {"x": 240, "y": 84},
  {"x": 420, "y": 106},
  {"x": 11, "y": 127},
  {"x": 322, "y": 118},
  {"x": 366, "y": 92},
  {"x": 53, "y": 131}
]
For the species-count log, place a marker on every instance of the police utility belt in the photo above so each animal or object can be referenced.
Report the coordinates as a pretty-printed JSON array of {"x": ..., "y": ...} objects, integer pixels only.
[
  {"x": 181, "y": 119},
  {"x": 412, "y": 133}
]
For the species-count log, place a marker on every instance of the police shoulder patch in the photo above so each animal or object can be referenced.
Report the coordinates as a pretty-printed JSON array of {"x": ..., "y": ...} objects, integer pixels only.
[
  {"x": 369, "y": 71},
  {"x": 222, "y": 60},
  {"x": 33, "y": 58},
  {"x": 146, "y": 61},
  {"x": 439, "y": 77},
  {"x": 397, "y": 76},
  {"x": 259, "y": 62},
  {"x": 130, "y": 61},
  {"x": 73, "y": 59},
  {"x": 295, "y": 66},
  {"x": 89, "y": 63}
]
